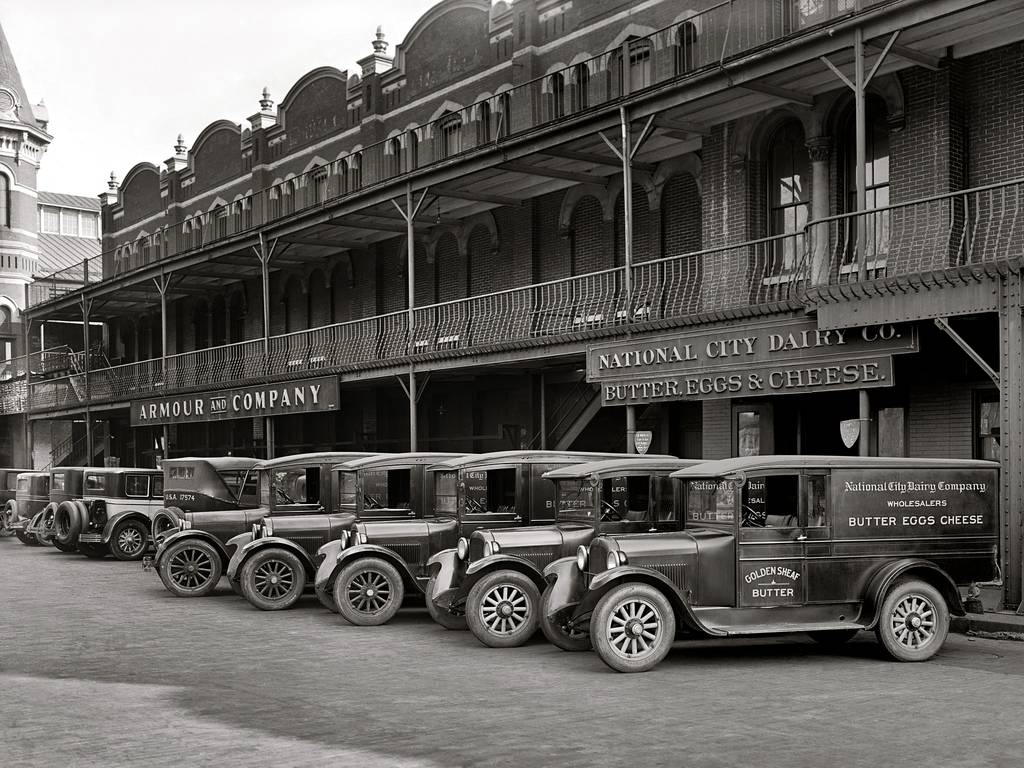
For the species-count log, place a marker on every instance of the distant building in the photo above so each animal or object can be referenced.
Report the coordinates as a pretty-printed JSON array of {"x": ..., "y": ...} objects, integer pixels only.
[{"x": 41, "y": 233}]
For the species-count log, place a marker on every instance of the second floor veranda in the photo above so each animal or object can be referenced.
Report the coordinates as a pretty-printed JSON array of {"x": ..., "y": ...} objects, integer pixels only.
[{"x": 917, "y": 247}]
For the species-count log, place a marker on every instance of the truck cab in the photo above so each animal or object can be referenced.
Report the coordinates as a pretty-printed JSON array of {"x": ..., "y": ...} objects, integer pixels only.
[{"x": 31, "y": 498}]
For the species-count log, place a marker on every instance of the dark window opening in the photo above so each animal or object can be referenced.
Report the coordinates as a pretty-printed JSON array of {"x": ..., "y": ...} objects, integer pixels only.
[{"x": 771, "y": 502}]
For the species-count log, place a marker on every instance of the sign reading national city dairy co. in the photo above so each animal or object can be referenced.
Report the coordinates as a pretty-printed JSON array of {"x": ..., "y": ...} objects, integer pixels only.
[
  {"x": 266, "y": 400},
  {"x": 768, "y": 358}
]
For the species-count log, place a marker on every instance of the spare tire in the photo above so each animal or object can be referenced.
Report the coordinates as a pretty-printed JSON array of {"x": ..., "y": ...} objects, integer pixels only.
[
  {"x": 67, "y": 523},
  {"x": 165, "y": 520}
]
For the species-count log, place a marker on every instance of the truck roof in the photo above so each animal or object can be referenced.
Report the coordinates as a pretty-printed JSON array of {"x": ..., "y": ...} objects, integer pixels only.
[
  {"x": 121, "y": 470},
  {"x": 219, "y": 463},
  {"x": 526, "y": 457},
  {"x": 325, "y": 457},
  {"x": 397, "y": 460},
  {"x": 34, "y": 474},
  {"x": 747, "y": 464},
  {"x": 613, "y": 467}
]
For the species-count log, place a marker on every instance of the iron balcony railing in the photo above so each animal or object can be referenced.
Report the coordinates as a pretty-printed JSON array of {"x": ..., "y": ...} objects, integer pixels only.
[
  {"x": 689, "y": 46},
  {"x": 974, "y": 226}
]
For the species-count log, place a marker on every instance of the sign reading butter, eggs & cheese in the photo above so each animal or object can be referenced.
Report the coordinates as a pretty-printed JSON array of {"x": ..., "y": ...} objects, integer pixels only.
[{"x": 768, "y": 358}]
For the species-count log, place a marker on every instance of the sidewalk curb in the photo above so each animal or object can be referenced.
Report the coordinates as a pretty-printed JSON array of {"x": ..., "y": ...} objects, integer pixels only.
[{"x": 976, "y": 622}]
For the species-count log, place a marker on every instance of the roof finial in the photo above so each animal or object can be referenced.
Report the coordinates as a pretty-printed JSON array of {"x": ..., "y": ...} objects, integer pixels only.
[
  {"x": 179, "y": 147},
  {"x": 266, "y": 103},
  {"x": 380, "y": 45},
  {"x": 112, "y": 184}
]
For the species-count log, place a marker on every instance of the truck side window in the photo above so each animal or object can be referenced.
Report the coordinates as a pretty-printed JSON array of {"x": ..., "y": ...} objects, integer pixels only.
[
  {"x": 501, "y": 490},
  {"x": 771, "y": 501},
  {"x": 817, "y": 501}
]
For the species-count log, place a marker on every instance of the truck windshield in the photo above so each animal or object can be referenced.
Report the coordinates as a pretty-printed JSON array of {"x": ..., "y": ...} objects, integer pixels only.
[
  {"x": 576, "y": 498},
  {"x": 711, "y": 501},
  {"x": 241, "y": 485}
]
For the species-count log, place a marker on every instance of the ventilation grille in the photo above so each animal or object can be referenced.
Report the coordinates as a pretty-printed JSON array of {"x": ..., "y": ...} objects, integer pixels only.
[{"x": 410, "y": 553}]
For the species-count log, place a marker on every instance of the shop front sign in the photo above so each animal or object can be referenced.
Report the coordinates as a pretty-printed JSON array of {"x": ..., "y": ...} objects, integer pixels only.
[
  {"x": 266, "y": 400},
  {"x": 768, "y": 358}
]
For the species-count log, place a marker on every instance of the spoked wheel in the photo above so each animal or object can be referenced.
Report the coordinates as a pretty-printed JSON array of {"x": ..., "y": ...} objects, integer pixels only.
[
  {"x": 369, "y": 592},
  {"x": 129, "y": 540},
  {"x": 502, "y": 609},
  {"x": 558, "y": 635},
  {"x": 191, "y": 568},
  {"x": 914, "y": 621},
  {"x": 445, "y": 618},
  {"x": 7, "y": 516},
  {"x": 633, "y": 628},
  {"x": 273, "y": 579}
]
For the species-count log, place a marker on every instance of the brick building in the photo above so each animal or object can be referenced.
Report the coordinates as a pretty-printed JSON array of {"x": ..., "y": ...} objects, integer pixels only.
[{"x": 818, "y": 221}]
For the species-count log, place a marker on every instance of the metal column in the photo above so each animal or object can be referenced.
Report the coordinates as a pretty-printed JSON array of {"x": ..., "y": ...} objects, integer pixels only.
[
  {"x": 1011, "y": 442},
  {"x": 265, "y": 254},
  {"x": 628, "y": 151},
  {"x": 86, "y": 305},
  {"x": 409, "y": 213}
]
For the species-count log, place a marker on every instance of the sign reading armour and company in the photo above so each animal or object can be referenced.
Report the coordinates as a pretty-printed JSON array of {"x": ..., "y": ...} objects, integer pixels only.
[
  {"x": 768, "y": 358},
  {"x": 266, "y": 400}
]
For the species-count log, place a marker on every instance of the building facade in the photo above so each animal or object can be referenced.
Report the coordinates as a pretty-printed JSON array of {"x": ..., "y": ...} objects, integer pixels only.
[{"x": 776, "y": 227}]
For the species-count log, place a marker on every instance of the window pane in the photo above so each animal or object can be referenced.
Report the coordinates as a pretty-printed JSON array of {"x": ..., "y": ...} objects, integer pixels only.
[
  {"x": 51, "y": 221},
  {"x": 136, "y": 485},
  {"x": 69, "y": 222},
  {"x": 89, "y": 226}
]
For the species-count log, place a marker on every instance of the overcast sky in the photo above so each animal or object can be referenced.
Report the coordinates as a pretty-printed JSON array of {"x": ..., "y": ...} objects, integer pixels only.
[{"x": 122, "y": 78}]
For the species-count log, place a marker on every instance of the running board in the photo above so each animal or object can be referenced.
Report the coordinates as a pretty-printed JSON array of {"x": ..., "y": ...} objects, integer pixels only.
[{"x": 782, "y": 629}]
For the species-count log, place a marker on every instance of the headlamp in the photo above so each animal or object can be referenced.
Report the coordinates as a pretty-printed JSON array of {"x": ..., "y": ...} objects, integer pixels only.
[
  {"x": 582, "y": 556},
  {"x": 268, "y": 526},
  {"x": 462, "y": 548},
  {"x": 344, "y": 539},
  {"x": 257, "y": 531},
  {"x": 360, "y": 536},
  {"x": 491, "y": 547},
  {"x": 184, "y": 525},
  {"x": 616, "y": 557}
]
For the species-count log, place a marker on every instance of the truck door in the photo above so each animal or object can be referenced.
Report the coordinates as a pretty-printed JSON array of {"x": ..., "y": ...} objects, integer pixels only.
[{"x": 771, "y": 542}]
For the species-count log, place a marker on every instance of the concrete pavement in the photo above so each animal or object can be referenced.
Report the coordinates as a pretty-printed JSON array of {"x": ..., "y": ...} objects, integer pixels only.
[{"x": 100, "y": 666}]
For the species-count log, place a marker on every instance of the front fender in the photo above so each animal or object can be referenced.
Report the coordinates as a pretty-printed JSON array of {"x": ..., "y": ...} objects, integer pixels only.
[
  {"x": 881, "y": 582},
  {"x": 447, "y": 570},
  {"x": 108, "y": 529},
  {"x": 191, "y": 533},
  {"x": 499, "y": 562},
  {"x": 240, "y": 542},
  {"x": 605, "y": 581},
  {"x": 352, "y": 554},
  {"x": 243, "y": 553},
  {"x": 566, "y": 587}
]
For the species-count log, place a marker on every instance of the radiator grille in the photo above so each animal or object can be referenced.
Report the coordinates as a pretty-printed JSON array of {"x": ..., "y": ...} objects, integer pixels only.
[
  {"x": 410, "y": 553},
  {"x": 310, "y": 544},
  {"x": 675, "y": 572}
]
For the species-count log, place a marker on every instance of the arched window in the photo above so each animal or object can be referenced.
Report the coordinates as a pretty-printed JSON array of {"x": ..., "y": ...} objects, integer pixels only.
[
  {"x": 876, "y": 177},
  {"x": 220, "y": 219},
  {"x": 640, "y": 58},
  {"x": 275, "y": 202},
  {"x": 505, "y": 121},
  {"x": 319, "y": 181},
  {"x": 355, "y": 171},
  {"x": 393, "y": 157},
  {"x": 789, "y": 199},
  {"x": 288, "y": 197},
  {"x": 686, "y": 48},
  {"x": 483, "y": 123},
  {"x": 144, "y": 245},
  {"x": 413, "y": 157},
  {"x": 5, "y": 201},
  {"x": 580, "y": 87},
  {"x": 449, "y": 129},
  {"x": 556, "y": 96}
]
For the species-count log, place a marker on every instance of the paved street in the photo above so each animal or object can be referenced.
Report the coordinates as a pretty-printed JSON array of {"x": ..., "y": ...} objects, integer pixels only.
[{"x": 100, "y": 666}]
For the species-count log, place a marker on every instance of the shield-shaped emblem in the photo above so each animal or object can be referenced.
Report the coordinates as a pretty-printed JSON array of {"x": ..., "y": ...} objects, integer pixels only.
[
  {"x": 849, "y": 430},
  {"x": 642, "y": 440}
]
